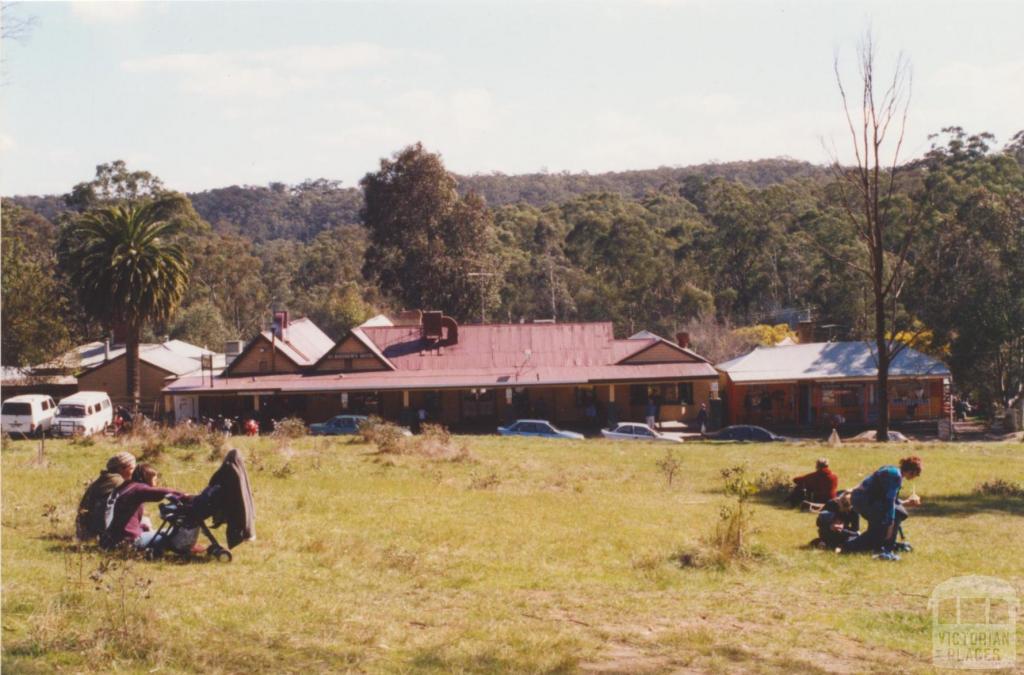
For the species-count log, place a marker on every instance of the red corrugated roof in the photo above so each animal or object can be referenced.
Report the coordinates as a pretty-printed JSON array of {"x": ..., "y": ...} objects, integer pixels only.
[
  {"x": 504, "y": 346},
  {"x": 484, "y": 356}
]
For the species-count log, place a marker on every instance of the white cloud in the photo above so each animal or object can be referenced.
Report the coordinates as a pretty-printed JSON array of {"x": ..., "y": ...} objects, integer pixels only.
[
  {"x": 6, "y": 143},
  {"x": 119, "y": 11},
  {"x": 270, "y": 72}
]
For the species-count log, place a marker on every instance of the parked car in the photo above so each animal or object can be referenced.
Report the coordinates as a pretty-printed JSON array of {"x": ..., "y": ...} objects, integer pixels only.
[
  {"x": 27, "y": 415},
  {"x": 538, "y": 428},
  {"x": 83, "y": 414},
  {"x": 338, "y": 425},
  {"x": 634, "y": 431},
  {"x": 746, "y": 432}
]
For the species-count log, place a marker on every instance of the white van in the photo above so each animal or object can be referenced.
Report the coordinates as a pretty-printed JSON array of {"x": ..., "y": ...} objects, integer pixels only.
[
  {"x": 84, "y": 414},
  {"x": 27, "y": 415}
]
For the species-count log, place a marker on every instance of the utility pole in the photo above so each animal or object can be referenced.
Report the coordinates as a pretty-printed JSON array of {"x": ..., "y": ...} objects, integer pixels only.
[{"x": 483, "y": 295}]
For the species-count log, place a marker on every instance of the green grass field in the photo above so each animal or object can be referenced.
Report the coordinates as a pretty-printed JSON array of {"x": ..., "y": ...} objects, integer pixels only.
[{"x": 533, "y": 556}]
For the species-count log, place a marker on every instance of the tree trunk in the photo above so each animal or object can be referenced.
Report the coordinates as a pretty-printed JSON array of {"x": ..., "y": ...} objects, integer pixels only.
[
  {"x": 131, "y": 344},
  {"x": 882, "y": 346}
]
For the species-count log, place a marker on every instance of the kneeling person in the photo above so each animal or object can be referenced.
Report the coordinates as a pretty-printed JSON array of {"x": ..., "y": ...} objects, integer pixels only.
[{"x": 837, "y": 522}]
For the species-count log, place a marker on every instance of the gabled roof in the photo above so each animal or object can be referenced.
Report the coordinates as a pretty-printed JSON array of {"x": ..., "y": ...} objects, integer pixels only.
[
  {"x": 174, "y": 356},
  {"x": 658, "y": 341},
  {"x": 303, "y": 343},
  {"x": 825, "y": 361},
  {"x": 495, "y": 355}
]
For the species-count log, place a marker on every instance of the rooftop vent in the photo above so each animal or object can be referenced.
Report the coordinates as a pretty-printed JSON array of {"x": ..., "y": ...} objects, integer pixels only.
[{"x": 432, "y": 325}]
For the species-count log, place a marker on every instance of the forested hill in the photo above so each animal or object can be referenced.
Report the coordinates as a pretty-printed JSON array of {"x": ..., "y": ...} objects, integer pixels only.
[
  {"x": 300, "y": 212},
  {"x": 540, "y": 189}
]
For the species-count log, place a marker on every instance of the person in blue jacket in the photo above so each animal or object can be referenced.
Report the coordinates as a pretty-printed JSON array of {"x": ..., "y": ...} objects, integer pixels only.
[{"x": 877, "y": 500}]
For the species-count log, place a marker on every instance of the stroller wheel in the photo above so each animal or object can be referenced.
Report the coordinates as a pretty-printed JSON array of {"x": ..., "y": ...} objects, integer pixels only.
[{"x": 220, "y": 553}]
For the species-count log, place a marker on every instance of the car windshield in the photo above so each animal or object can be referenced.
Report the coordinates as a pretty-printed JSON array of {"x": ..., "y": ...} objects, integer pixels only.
[
  {"x": 71, "y": 410},
  {"x": 17, "y": 408}
]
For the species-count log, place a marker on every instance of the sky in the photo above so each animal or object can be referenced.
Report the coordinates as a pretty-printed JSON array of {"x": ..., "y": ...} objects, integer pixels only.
[{"x": 211, "y": 94}]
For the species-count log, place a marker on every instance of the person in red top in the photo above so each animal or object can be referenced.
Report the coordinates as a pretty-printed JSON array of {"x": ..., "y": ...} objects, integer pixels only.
[
  {"x": 127, "y": 522},
  {"x": 818, "y": 487}
]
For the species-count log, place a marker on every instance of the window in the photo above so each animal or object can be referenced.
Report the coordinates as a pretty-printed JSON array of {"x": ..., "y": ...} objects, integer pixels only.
[
  {"x": 638, "y": 394},
  {"x": 643, "y": 431},
  {"x": 17, "y": 409}
]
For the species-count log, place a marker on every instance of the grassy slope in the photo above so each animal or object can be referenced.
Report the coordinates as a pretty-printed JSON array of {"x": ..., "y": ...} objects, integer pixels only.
[{"x": 537, "y": 556}]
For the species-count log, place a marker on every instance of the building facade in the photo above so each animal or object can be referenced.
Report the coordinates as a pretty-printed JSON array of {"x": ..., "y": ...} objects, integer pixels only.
[
  {"x": 467, "y": 377},
  {"x": 826, "y": 383}
]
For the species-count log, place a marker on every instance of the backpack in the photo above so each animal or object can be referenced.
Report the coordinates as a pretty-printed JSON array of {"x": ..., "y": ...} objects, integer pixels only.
[{"x": 111, "y": 507}]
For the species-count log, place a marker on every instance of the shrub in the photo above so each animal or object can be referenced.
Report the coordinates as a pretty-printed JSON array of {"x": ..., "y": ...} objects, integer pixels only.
[
  {"x": 774, "y": 483},
  {"x": 81, "y": 441},
  {"x": 669, "y": 466},
  {"x": 484, "y": 482},
  {"x": 290, "y": 428},
  {"x": 188, "y": 435},
  {"x": 730, "y": 540},
  {"x": 285, "y": 471},
  {"x": 436, "y": 443},
  {"x": 389, "y": 438},
  {"x": 152, "y": 450},
  {"x": 1000, "y": 487},
  {"x": 218, "y": 447}
]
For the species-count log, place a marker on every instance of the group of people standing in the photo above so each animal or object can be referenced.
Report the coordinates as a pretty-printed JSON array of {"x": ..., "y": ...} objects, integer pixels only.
[{"x": 876, "y": 500}]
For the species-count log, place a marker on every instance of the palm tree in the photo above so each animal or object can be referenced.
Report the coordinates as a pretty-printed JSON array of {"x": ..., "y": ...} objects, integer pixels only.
[{"x": 127, "y": 270}]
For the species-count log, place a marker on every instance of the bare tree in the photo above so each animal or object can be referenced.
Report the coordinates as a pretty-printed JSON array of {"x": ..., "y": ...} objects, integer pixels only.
[
  {"x": 870, "y": 200},
  {"x": 13, "y": 28}
]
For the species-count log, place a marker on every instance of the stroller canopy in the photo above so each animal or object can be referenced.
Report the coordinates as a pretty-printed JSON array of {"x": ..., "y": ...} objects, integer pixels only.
[{"x": 228, "y": 499}]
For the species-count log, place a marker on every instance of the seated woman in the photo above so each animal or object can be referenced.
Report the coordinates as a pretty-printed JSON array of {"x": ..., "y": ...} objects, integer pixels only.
[
  {"x": 819, "y": 486},
  {"x": 126, "y": 524},
  {"x": 837, "y": 522},
  {"x": 145, "y": 473},
  {"x": 89, "y": 522},
  {"x": 877, "y": 499}
]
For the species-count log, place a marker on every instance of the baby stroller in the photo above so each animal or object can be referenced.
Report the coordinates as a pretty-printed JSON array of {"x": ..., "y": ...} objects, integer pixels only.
[{"x": 226, "y": 500}]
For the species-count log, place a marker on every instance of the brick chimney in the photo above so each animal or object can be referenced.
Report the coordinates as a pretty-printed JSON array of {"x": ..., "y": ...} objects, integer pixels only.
[
  {"x": 280, "y": 324},
  {"x": 683, "y": 339},
  {"x": 805, "y": 332}
]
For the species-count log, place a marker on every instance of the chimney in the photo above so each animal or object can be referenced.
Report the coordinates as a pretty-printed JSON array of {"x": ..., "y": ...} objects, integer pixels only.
[
  {"x": 106, "y": 349},
  {"x": 805, "y": 332},
  {"x": 280, "y": 324},
  {"x": 683, "y": 339}
]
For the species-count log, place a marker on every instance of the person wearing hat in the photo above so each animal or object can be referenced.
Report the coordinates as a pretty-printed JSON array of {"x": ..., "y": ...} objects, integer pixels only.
[
  {"x": 819, "y": 486},
  {"x": 92, "y": 507}
]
